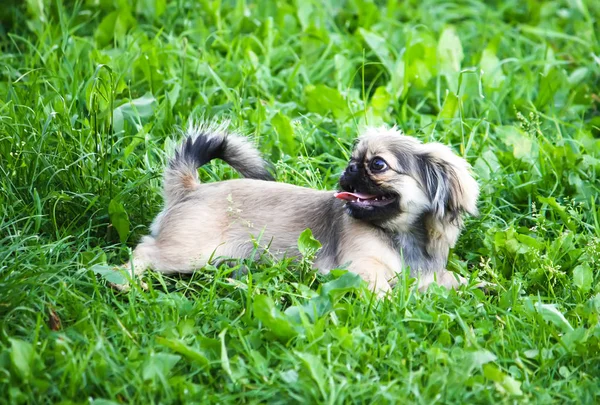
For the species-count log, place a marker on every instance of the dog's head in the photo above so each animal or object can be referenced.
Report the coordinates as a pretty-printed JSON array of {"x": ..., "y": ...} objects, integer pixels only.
[{"x": 393, "y": 180}]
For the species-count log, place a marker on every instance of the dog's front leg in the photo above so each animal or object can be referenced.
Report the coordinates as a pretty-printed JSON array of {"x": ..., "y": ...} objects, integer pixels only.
[
  {"x": 139, "y": 263},
  {"x": 374, "y": 272},
  {"x": 374, "y": 261},
  {"x": 137, "y": 275},
  {"x": 443, "y": 278}
]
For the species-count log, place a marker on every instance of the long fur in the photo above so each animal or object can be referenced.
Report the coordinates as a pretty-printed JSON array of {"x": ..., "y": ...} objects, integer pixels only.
[
  {"x": 203, "y": 143},
  {"x": 427, "y": 190}
]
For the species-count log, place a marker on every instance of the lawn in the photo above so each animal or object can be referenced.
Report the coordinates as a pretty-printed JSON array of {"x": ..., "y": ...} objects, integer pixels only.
[{"x": 91, "y": 96}]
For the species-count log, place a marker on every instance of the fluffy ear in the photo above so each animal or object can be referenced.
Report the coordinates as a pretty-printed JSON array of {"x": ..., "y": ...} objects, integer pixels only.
[{"x": 449, "y": 184}]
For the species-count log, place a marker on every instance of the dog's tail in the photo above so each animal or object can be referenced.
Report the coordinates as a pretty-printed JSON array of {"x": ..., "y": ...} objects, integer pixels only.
[{"x": 202, "y": 144}]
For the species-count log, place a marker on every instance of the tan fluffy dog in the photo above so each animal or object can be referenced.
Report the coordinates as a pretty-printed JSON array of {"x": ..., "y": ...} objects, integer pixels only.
[{"x": 399, "y": 206}]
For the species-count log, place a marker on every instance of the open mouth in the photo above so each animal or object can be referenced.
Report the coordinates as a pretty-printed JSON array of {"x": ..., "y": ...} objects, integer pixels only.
[{"x": 365, "y": 200}]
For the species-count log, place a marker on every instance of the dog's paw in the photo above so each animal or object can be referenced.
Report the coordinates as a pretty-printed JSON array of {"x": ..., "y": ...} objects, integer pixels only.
[
  {"x": 454, "y": 281},
  {"x": 126, "y": 287},
  {"x": 120, "y": 287},
  {"x": 380, "y": 289}
]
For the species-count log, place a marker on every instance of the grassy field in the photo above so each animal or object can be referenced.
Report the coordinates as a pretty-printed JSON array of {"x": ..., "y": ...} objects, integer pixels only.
[{"x": 90, "y": 95}]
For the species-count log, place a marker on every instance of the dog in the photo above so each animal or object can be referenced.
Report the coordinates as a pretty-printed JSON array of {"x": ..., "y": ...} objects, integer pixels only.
[{"x": 399, "y": 207}]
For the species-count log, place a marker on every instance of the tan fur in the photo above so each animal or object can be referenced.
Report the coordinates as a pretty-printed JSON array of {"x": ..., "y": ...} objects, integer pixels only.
[
  {"x": 373, "y": 260},
  {"x": 212, "y": 223},
  {"x": 189, "y": 182}
]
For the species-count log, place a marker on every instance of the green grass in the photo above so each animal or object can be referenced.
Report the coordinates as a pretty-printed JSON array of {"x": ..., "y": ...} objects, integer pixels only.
[{"x": 90, "y": 94}]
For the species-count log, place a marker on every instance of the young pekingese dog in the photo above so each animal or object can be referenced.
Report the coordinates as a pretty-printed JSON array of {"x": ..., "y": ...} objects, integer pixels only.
[{"x": 399, "y": 206}]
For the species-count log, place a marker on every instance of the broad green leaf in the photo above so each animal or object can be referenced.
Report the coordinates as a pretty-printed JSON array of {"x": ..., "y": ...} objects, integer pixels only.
[
  {"x": 504, "y": 382},
  {"x": 289, "y": 376},
  {"x": 137, "y": 112},
  {"x": 109, "y": 273},
  {"x": 225, "y": 365},
  {"x": 315, "y": 367},
  {"x": 119, "y": 219},
  {"x": 94, "y": 256},
  {"x": 594, "y": 303},
  {"x": 450, "y": 54},
  {"x": 583, "y": 277},
  {"x": 118, "y": 121},
  {"x": 21, "y": 357},
  {"x": 345, "y": 283},
  {"x": 487, "y": 165},
  {"x": 183, "y": 349},
  {"x": 546, "y": 354},
  {"x": 550, "y": 84},
  {"x": 106, "y": 28},
  {"x": 512, "y": 386},
  {"x": 574, "y": 337},
  {"x": 550, "y": 313},
  {"x": 529, "y": 241},
  {"x": 342, "y": 337},
  {"x": 321, "y": 99},
  {"x": 173, "y": 94},
  {"x": 577, "y": 76},
  {"x": 285, "y": 131},
  {"x": 450, "y": 50},
  {"x": 307, "y": 244},
  {"x": 272, "y": 318},
  {"x": 398, "y": 85},
  {"x": 136, "y": 140},
  {"x": 420, "y": 60},
  {"x": 316, "y": 308},
  {"x": 36, "y": 9},
  {"x": 114, "y": 25},
  {"x": 159, "y": 365},
  {"x": 508, "y": 239},
  {"x": 125, "y": 20},
  {"x": 304, "y": 11},
  {"x": 420, "y": 73},
  {"x": 480, "y": 357},
  {"x": 381, "y": 100},
  {"x": 524, "y": 146},
  {"x": 380, "y": 46},
  {"x": 513, "y": 245},
  {"x": 151, "y": 8},
  {"x": 491, "y": 69},
  {"x": 450, "y": 107},
  {"x": 344, "y": 69},
  {"x": 210, "y": 347}
]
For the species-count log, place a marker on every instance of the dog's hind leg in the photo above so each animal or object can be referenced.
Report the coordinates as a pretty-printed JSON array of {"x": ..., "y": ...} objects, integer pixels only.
[{"x": 143, "y": 258}]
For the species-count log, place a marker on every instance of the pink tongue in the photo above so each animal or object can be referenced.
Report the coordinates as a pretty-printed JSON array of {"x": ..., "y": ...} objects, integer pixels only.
[{"x": 344, "y": 195}]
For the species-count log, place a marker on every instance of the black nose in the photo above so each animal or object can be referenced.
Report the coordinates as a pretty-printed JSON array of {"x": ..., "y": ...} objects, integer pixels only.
[{"x": 349, "y": 177}]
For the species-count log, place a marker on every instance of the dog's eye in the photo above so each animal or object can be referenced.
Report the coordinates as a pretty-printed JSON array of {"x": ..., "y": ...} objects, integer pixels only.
[{"x": 378, "y": 165}]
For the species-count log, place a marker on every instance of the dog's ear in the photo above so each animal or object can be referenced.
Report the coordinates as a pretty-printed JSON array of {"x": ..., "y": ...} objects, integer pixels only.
[{"x": 448, "y": 182}]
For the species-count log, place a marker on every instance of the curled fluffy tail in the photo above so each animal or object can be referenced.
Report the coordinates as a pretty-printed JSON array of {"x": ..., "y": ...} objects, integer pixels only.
[{"x": 202, "y": 144}]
